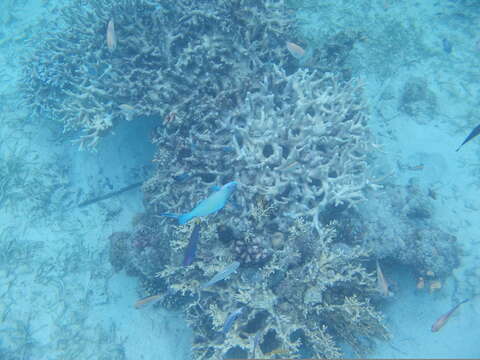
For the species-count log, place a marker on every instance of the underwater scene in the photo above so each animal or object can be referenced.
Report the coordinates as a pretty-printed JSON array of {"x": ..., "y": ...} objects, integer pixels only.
[{"x": 239, "y": 179}]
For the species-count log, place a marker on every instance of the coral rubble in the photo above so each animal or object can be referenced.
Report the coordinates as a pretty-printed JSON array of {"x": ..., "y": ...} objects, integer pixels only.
[{"x": 397, "y": 224}]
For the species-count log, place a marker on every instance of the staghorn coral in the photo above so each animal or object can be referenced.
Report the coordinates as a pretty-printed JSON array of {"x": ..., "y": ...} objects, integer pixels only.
[
  {"x": 300, "y": 142},
  {"x": 295, "y": 140},
  {"x": 279, "y": 306},
  {"x": 172, "y": 57},
  {"x": 297, "y": 145}
]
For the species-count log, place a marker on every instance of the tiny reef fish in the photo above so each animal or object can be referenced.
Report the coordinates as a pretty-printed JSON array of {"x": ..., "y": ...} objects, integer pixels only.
[
  {"x": 126, "y": 107},
  {"x": 416, "y": 167},
  {"x": 231, "y": 319},
  {"x": 191, "y": 249},
  {"x": 215, "y": 202},
  {"x": 447, "y": 46},
  {"x": 382, "y": 285},
  {"x": 111, "y": 37},
  {"x": 148, "y": 301},
  {"x": 296, "y": 50},
  {"x": 182, "y": 177},
  {"x": 225, "y": 273},
  {"x": 470, "y": 136},
  {"x": 442, "y": 320}
]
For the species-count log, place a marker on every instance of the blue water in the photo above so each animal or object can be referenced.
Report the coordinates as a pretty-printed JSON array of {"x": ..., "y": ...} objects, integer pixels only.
[{"x": 62, "y": 298}]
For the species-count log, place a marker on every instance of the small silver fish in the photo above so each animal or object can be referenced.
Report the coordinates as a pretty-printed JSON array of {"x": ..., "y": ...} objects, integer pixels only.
[
  {"x": 225, "y": 273},
  {"x": 148, "y": 301},
  {"x": 231, "y": 319},
  {"x": 127, "y": 110},
  {"x": 295, "y": 50},
  {"x": 111, "y": 37},
  {"x": 382, "y": 285}
]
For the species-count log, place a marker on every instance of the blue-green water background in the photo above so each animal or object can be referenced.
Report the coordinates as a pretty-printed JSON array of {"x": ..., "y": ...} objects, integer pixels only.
[{"x": 59, "y": 298}]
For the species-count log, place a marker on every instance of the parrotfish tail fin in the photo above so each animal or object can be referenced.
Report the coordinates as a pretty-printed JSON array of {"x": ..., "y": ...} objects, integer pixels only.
[
  {"x": 306, "y": 57},
  {"x": 184, "y": 218},
  {"x": 175, "y": 216}
]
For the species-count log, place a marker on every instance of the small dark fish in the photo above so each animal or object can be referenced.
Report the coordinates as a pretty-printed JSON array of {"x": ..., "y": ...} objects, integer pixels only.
[
  {"x": 470, "y": 136},
  {"x": 182, "y": 177},
  {"x": 228, "y": 149},
  {"x": 231, "y": 319},
  {"x": 442, "y": 320},
  {"x": 192, "y": 245},
  {"x": 447, "y": 46}
]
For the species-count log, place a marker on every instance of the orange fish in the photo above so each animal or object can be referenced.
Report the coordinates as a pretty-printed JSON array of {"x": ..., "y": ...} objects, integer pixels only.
[
  {"x": 442, "y": 320},
  {"x": 148, "y": 301},
  {"x": 279, "y": 351},
  {"x": 382, "y": 285},
  {"x": 296, "y": 50},
  {"x": 111, "y": 37}
]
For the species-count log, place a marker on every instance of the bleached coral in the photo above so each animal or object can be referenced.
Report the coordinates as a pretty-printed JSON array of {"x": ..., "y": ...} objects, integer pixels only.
[
  {"x": 300, "y": 142},
  {"x": 172, "y": 57},
  {"x": 297, "y": 145}
]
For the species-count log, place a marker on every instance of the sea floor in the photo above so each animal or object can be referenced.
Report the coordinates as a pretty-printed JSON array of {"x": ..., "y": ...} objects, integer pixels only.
[{"x": 59, "y": 296}]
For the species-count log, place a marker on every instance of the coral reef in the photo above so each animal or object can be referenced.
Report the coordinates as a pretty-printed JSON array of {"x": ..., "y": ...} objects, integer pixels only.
[
  {"x": 397, "y": 223},
  {"x": 232, "y": 105},
  {"x": 166, "y": 55},
  {"x": 297, "y": 146},
  {"x": 305, "y": 305}
]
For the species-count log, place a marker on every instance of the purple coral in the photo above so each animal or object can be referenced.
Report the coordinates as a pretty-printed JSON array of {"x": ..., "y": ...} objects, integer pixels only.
[{"x": 249, "y": 251}]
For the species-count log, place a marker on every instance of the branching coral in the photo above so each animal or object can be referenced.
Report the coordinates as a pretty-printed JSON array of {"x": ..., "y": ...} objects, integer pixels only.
[
  {"x": 296, "y": 141},
  {"x": 299, "y": 141},
  {"x": 297, "y": 145},
  {"x": 280, "y": 307},
  {"x": 164, "y": 62}
]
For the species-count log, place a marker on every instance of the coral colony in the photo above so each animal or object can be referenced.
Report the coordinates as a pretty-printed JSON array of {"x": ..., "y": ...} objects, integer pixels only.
[{"x": 267, "y": 272}]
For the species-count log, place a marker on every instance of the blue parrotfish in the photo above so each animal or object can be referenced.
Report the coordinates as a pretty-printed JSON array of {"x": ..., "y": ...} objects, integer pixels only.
[{"x": 215, "y": 202}]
